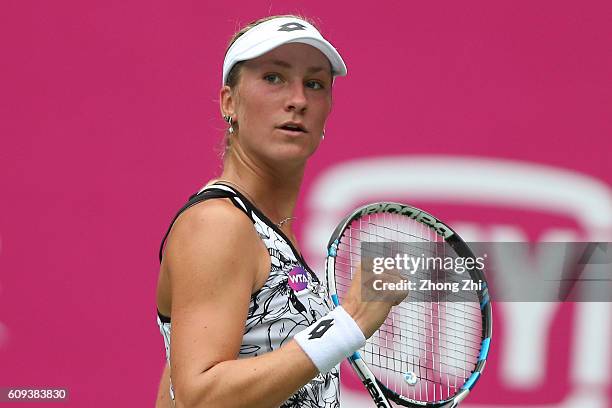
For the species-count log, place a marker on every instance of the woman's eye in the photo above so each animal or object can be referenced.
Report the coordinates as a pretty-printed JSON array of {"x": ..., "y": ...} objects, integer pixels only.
[
  {"x": 314, "y": 85},
  {"x": 272, "y": 78}
]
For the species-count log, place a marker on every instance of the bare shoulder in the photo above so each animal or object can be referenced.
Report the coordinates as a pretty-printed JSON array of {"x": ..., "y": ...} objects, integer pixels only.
[
  {"x": 210, "y": 226},
  {"x": 207, "y": 240},
  {"x": 206, "y": 216}
]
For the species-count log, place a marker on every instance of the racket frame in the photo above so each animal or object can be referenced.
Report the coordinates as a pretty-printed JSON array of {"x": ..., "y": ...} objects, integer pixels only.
[{"x": 379, "y": 392}]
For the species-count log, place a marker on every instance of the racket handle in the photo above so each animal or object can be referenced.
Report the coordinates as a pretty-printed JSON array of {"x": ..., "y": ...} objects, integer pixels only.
[{"x": 369, "y": 381}]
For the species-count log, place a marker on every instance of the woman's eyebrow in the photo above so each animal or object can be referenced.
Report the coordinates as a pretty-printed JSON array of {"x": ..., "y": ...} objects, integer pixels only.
[{"x": 285, "y": 64}]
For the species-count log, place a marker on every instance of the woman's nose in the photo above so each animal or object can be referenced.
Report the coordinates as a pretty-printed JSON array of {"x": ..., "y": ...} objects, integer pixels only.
[{"x": 296, "y": 100}]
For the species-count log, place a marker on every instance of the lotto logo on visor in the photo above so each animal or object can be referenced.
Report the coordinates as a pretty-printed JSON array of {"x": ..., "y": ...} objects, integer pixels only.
[{"x": 292, "y": 27}]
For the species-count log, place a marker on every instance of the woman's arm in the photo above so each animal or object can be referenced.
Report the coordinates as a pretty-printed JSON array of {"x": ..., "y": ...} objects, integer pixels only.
[{"x": 214, "y": 256}]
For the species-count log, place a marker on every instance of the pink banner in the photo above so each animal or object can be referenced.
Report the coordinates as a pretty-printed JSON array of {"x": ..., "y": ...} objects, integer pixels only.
[{"x": 493, "y": 115}]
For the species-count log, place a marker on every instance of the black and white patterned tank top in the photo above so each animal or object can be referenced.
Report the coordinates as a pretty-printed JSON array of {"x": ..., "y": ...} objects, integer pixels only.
[{"x": 291, "y": 299}]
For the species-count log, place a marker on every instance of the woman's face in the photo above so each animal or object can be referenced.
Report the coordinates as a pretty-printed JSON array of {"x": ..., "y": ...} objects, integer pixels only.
[{"x": 284, "y": 89}]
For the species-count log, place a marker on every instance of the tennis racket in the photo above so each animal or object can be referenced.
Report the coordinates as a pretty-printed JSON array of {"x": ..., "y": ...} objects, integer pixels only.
[{"x": 433, "y": 346}]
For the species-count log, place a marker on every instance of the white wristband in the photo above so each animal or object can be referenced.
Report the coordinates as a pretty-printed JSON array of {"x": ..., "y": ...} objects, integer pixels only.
[{"x": 331, "y": 339}]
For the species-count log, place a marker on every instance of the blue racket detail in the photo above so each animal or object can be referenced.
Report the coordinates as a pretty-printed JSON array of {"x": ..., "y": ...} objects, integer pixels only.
[
  {"x": 471, "y": 381},
  {"x": 484, "y": 350}
]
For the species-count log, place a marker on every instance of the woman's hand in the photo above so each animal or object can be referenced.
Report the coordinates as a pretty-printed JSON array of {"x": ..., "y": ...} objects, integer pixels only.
[{"x": 369, "y": 306}]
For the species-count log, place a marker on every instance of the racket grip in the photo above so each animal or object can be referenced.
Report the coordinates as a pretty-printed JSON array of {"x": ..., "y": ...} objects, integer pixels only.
[{"x": 369, "y": 381}]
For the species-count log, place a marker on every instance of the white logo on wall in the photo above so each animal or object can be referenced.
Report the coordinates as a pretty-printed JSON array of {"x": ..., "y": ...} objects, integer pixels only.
[{"x": 466, "y": 180}]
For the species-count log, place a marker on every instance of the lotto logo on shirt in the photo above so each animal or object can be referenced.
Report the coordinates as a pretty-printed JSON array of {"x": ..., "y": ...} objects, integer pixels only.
[{"x": 298, "y": 279}]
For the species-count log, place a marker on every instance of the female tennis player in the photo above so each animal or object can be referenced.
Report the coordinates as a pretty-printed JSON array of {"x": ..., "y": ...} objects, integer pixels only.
[{"x": 247, "y": 321}]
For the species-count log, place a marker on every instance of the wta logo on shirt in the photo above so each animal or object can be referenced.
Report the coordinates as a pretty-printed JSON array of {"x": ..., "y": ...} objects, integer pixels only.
[{"x": 298, "y": 280}]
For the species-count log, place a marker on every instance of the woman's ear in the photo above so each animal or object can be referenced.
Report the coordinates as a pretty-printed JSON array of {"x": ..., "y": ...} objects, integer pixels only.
[{"x": 226, "y": 101}]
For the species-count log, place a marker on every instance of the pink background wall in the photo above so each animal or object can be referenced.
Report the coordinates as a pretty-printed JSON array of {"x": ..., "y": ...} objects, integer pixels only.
[{"x": 109, "y": 120}]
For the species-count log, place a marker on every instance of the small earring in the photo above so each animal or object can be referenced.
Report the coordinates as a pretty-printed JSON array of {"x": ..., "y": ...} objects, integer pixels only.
[
  {"x": 228, "y": 119},
  {"x": 323, "y": 135}
]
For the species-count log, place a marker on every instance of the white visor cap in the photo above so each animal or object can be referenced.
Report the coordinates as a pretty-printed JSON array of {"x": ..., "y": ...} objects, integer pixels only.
[{"x": 273, "y": 33}]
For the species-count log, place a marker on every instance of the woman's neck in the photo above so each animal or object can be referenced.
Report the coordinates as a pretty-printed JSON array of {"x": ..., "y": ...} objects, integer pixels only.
[{"x": 274, "y": 193}]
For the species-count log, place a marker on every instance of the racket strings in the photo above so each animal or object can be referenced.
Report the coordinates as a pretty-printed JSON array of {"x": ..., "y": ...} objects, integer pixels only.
[
  {"x": 425, "y": 358},
  {"x": 473, "y": 351},
  {"x": 424, "y": 311},
  {"x": 421, "y": 315},
  {"x": 395, "y": 230},
  {"x": 427, "y": 335}
]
